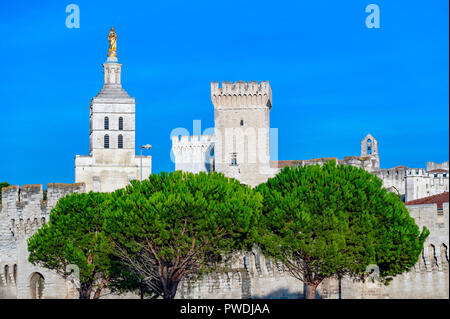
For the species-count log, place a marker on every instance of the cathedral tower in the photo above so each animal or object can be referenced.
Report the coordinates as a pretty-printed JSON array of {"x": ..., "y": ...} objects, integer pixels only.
[{"x": 112, "y": 162}]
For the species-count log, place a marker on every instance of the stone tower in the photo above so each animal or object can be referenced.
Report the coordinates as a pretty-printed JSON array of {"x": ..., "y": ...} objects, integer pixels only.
[
  {"x": 369, "y": 148},
  {"x": 111, "y": 162},
  {"x": 242, "y": 124}
]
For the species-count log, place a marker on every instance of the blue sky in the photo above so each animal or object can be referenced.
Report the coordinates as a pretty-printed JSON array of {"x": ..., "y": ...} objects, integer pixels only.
[{"x": 333, "y": 79}]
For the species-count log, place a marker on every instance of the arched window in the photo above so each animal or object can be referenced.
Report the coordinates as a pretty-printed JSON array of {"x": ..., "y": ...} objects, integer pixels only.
[
  {"x": 15, "y": 273},
  {"x": 7, "y": 275},
  {"x": 106, "y": 141},
  {"x": 37, "y": 283},
  {"x": 369, "y": 146},
  {"x": 106, "y": 123},
  {"x": 120, "y": 123},
  {"x": 120, "y": 142}
]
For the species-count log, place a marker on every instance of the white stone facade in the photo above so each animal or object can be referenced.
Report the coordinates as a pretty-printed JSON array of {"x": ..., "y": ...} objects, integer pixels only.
[
  {"x": 111, "y": 162},
  {"x": 419, "y": 183},
  {"x": 23, "y": 211},
  {"x": 194, "y": 153}
]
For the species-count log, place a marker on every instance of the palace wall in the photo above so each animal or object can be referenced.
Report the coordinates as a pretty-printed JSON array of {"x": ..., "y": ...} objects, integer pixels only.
[
  {"x": 193, "y": 153},
  {"x": 23, "y": 211},
  {"x": 250, "y": 276},
  {"x": 253, "y": 276}
]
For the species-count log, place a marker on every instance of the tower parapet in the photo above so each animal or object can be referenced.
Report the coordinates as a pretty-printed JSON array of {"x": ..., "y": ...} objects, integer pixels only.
[
  {"x": 193, "y": 153},
  {"x": 241, "y": 94},
  {"x": 24, "y": 209}
]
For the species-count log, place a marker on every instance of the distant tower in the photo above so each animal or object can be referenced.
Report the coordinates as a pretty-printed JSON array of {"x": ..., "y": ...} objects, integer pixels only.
[
  {"x": 112, "y": 162},
  {"x": 242, "y": 124},
  {"x": 369, "y": 148}
]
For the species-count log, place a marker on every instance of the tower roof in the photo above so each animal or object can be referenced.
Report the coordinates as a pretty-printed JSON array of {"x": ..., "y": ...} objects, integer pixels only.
[
  {"x": 438, "y": 199},
  {"x": 108, "y": 92}
]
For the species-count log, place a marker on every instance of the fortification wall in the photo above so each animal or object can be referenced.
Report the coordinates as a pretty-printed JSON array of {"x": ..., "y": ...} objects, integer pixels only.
[
  {"x": 419, "y": 183},
  {"x": 23, "y": 211},
  {"x": 241, "y": 94},
  {"x": 253, "y": 276},
  {"x": 250, "y": 275},
  {"x": 394, "y": 179},
  {"x": 432, "y": 166}
]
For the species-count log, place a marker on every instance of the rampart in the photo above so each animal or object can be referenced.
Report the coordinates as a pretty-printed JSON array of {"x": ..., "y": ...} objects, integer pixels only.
[
  {"x": 24, "y": 210},
  {"x": 254, "y": 276}
]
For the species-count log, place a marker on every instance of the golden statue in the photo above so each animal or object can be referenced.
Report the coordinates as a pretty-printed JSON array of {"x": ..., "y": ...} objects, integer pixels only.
[{"x": 112, "y": 37}]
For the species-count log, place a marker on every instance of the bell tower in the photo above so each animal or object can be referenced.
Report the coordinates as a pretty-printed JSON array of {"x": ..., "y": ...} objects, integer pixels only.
[
  {"x": 112, "y": 162},
  {"x": 369, "y": 148}
]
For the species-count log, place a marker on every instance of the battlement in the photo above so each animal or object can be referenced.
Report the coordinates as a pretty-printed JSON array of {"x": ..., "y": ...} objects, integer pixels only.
[
  {"x": 191, "y": 140},
  {"x": 433, "y": 166},
  {"x": 401, "y": 172},
  {"x": 241, "y": 94},
  {"x": 24, "y": 208},
  {"x": 27, "y": 193},
  {"x": 392, "y": 174},
  {"x": 416, "y": 172}
]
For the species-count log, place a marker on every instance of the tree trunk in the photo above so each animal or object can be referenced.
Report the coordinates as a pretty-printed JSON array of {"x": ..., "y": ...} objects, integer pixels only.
[
  {"x": 171, "y": 290},
  {"x": 85, "y": 291},
  {"x": 310, "y": 292}
]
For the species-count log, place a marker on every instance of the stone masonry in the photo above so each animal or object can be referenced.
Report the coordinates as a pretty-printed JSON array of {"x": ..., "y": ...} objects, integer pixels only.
[
  {"x": 111, "y": 162},
  {"x": 23, "y": 211}
]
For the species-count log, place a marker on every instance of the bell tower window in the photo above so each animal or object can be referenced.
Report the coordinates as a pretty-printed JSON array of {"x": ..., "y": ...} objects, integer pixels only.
[
  {"x": 120, "y": 123},
  {"x": 369, "y": 146}
]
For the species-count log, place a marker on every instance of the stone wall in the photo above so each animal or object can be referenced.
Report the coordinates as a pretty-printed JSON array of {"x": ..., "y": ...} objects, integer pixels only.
[
  {"x": 193, "y": 153},
  {"x": 432, "y": 166},
  {"x": 419, "y": 183},
  {"x": 253, "y": 276},
  {"x": 23, "y": 211},
  {"x": 249, "y": 275}
]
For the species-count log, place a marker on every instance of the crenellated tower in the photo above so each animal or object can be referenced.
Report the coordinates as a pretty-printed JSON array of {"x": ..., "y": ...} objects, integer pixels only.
[{"x": 242, "y": 130}]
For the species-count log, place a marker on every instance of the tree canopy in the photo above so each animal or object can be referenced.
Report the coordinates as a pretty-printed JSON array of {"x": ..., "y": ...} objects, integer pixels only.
[
  {"x": 74, "y": 236},
  {"x": 328, "y": 220},
  {"x": 174, "y": 225}
]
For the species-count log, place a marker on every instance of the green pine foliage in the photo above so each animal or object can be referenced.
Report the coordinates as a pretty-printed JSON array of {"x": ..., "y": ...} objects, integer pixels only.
[
  {"x": 328, "y": 220},
  {"x": 74, "y": 236},
  {"x": 174, "y": 225}
]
